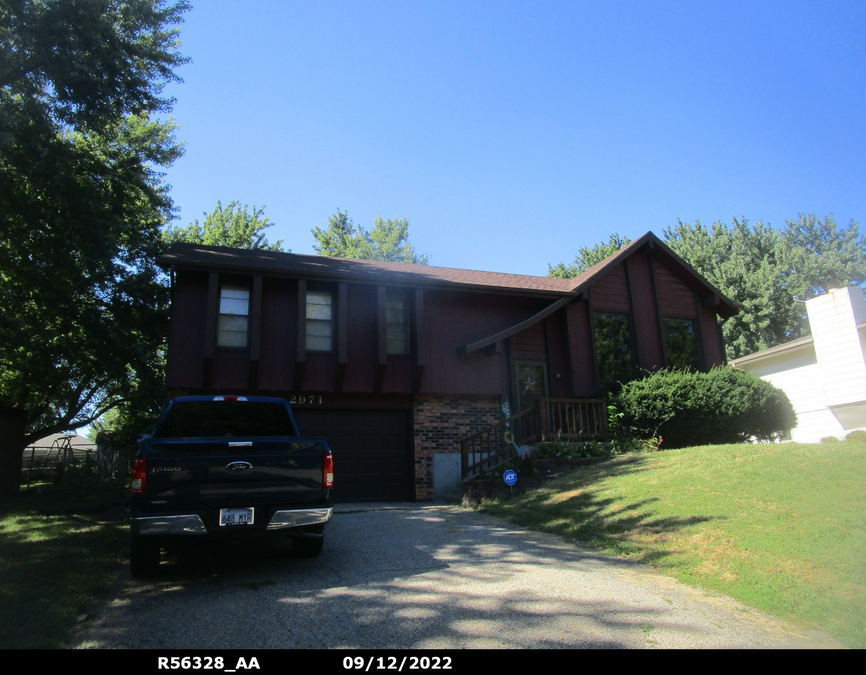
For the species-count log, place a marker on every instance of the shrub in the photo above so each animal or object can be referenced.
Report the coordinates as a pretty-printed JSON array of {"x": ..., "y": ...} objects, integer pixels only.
[
  {"x": 691, "y": 408},
  {"x": 858, "y": 436},
  {"x": 559, "y": 449}
]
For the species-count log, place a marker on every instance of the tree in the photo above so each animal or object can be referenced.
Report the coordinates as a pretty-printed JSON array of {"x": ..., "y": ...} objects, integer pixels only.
[
  {"x": 387, "y": 241},
  {"x": 763, "y": 270},
  {"x": 82, "y": 202},
  {"x": 760, "y": 268},
  {"x": 231, "y": 226},
  {"x": 746, "y": 263},
  {"x": 819, "y": 255},
  {"x": 587, "y": 257}
]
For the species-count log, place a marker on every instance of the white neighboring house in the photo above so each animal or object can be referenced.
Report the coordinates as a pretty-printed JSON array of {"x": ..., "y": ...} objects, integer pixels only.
[{"x": 823, "y": 375}]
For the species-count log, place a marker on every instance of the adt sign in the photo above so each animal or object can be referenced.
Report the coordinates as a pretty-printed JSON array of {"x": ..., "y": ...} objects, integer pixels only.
[{"x": 509, "y": 477}]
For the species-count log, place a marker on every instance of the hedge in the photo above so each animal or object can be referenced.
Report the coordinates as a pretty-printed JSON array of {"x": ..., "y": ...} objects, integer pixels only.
[{"x": 687, "y": 408}]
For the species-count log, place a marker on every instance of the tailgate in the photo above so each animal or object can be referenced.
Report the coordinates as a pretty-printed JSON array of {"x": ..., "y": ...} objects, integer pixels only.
[{"x": 226, "y": 472}]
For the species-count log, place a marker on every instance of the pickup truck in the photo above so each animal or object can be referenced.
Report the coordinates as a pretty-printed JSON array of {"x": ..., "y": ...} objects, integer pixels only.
[{"x": 228, "y": 467}]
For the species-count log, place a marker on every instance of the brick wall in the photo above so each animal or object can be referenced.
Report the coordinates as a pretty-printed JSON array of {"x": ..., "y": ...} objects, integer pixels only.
[{"x": 440, "y": 423}]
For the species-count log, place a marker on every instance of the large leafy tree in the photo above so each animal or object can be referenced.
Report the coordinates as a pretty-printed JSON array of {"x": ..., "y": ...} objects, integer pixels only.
[
  {"x": 387, "y": 241},
  {"x": 745, "y": 263},
  {"x": 82, "y": 202},
  {"x": 588, "y": 256},
  {"x": 760, "y": 268},
  {"x": 234, "y": 226}
]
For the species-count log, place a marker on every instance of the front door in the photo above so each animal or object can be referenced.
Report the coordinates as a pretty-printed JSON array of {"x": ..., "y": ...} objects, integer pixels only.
[{"x": 531, "y": 383}]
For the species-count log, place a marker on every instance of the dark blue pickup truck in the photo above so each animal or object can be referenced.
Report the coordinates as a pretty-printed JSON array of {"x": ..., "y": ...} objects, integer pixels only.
[{"x": 228, "y": 466}]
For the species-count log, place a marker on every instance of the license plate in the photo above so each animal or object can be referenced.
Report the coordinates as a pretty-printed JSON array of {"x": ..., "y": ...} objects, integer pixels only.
[{"x": 230, "y": 517}]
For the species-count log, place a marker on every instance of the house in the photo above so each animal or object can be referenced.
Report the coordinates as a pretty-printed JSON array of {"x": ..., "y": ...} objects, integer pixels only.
[
  {"x": 395, "y": 363},
  {"x": 824, "y": 375}
]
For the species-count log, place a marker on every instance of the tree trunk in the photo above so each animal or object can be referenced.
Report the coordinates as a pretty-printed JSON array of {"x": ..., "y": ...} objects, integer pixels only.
[{"x": 13, "y": 423}]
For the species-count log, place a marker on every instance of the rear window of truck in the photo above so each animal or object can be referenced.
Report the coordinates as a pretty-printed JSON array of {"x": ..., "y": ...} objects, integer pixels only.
[{"x": 203, "y": 419}]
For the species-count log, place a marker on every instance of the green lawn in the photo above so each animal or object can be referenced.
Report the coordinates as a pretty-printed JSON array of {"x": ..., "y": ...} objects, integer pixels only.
[
  {"x": 53, "y": 567},
  {"x": 780, "y": 527}
]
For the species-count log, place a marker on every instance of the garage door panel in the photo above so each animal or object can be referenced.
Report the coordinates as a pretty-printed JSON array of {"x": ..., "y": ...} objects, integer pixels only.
[{"x": 372, "y": 452}]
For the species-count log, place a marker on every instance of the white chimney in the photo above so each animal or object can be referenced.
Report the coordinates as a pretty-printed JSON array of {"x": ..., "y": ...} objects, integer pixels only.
[{"x": 834, "y": 318}]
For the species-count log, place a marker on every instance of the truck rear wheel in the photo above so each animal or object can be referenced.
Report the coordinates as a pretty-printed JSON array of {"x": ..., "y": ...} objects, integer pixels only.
[
  {"x": 308, "y": 547},
  {"x": 143, "y": 556}
]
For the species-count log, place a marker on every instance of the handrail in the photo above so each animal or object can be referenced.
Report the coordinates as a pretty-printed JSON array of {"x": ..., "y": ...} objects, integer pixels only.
[{"x": 566, "y": 419}]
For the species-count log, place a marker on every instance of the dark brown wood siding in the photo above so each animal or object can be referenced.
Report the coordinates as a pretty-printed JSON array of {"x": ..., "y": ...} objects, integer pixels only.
[
  {"x": 231, "y": 370},
  {"x": 676, "y": 300},
  {"x": 558, "y": 360},
  {"x": 530, "y": 344},
  {"x": 450, "y": 320},
  {"x": 714, "y": 350},
  {"x": 646, "y": 313},
  {"x": 186, "y": 337},
  {"x": 279, "y": 334},
  {"x": 580, "y": 349},
  {"x": 455, "y": 319},
  {"x": 610, "y": 294}
]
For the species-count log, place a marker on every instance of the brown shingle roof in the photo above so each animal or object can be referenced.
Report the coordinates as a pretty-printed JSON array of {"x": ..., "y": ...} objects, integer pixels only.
[
  {"x": 371, "y": 271},
  {"x": 197, "y": 256}
]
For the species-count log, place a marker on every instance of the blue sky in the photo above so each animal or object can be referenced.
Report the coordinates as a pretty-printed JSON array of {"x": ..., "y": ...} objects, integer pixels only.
[{"x": 510, "y": 134}]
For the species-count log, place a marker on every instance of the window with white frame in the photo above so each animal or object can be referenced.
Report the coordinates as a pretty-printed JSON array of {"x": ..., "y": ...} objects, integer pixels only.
[
  {"x": 320, "y": 321},
  {"x": 234, "y": 317}
]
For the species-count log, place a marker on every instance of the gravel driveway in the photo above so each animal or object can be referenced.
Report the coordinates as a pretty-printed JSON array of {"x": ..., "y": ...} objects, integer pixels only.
[{"x": 411, "y": 576}]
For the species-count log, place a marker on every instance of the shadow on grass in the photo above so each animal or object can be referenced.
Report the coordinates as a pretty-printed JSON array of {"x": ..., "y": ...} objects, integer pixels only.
[
  {"x": 57, "y": 550},
  {"x": 572, "y": 508}
]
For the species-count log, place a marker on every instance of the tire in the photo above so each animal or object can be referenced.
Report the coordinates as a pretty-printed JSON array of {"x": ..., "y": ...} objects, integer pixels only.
[
  {"x": 308, "y": 547},
  {"x": 144, "y": 556}
]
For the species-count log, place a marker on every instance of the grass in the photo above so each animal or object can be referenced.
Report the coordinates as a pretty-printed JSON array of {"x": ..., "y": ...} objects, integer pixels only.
[
  {"x": 57, "y": 551},
  {"x": 780, "y": 527}
]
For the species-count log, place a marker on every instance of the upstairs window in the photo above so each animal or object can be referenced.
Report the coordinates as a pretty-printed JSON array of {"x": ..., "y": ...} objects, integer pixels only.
[
  {"x": 396, "y": 326},
  {"x": 613, "y": 347},
  {"x": 234, "y": 318},
  {"x": 681, "y": 344},
  {"x": 320, "y": 321}
]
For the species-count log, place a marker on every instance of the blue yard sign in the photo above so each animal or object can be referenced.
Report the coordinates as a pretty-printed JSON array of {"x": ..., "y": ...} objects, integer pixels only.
[{"x": 509, "y": 477}]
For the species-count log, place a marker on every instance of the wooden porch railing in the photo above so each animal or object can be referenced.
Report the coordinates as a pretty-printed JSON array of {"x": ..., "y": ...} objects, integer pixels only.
[
  {"x": 567, "y": 419},
  {"x": 573, "y": 419}
]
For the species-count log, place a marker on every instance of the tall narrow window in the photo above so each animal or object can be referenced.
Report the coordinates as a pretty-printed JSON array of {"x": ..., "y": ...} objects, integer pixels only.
[
  {"x": 680, "y": 342},
  {"x": 320, "y": 321},
  {"x": 613, "y": 347},
  {"x": 396, "y": 326},
  {"x": 234, "y": 319}
]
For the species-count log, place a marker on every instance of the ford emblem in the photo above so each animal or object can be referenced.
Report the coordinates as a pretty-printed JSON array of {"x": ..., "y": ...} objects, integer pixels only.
[{"x": 238, "y": 466}]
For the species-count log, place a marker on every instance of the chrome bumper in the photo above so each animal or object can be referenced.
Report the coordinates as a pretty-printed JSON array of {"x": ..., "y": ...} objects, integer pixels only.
[
  {"x": 300, "y": 517},
  {"x": 192, "y": 524}
]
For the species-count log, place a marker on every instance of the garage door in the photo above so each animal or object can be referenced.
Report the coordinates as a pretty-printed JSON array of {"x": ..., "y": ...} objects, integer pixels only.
[{"x": 372, "y": 452}]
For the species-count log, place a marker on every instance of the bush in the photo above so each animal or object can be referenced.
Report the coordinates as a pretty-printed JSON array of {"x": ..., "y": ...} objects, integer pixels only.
[
  {"x": 559, "y": 449},
  {"x": 691, "y": 408},
  {"x": 858, "y": 436}
]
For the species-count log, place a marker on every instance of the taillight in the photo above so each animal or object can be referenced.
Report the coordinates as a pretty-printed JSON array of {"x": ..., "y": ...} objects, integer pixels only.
[
  {"x": 139, "y": 476},
  {"x": 329, "y": 471}
]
